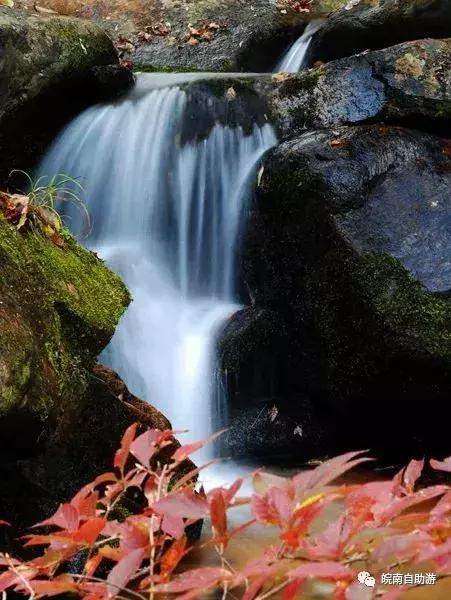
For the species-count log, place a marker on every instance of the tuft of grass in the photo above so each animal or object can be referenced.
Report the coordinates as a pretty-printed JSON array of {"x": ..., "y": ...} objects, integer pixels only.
[{"x": 39, "y": 204}]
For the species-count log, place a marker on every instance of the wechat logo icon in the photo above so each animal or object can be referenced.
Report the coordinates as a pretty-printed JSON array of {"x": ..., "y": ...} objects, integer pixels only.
[{"x": 365, "y": 578}]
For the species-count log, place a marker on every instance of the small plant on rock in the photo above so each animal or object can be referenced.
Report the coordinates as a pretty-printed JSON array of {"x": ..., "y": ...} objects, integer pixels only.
[{"x": 38, "y": 207}]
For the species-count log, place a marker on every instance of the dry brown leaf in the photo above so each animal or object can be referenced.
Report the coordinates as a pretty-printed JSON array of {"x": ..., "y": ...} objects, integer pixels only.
[{"x": 231, "y": 94}]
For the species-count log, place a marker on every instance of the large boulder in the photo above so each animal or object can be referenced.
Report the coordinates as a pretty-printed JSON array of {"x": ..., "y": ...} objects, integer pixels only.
[
  {"x": 375, "y": 24},
  {"x": 61, "y": 415},
  {"x": 349, "y": 244},
  {"x": 50, "y": 68}
]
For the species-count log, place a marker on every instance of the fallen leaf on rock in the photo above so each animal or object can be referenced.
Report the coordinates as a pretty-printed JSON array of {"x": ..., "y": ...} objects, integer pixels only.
[
  {"x": 273, "y": 414},
  {"x": 127, "y": 63},
  {"x": 207, "y": 35},
  {"x": 124, "y": 44},
  {"x": 231, "y": 94},
  {"x": 193, "y": 41},
  {"x": 43, "y": 10},
  {"x": 282, "y": 76},
  {"x": 144, "y": 36},
  {"x": 15, "y": 208},
  {"x": 339, "y": 143},
  {"x": 57, "y": 240}
]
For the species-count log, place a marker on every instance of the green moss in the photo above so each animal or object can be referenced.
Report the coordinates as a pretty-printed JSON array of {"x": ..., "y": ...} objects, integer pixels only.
[
  {"x": 404, "y": 304},
  {"x": 146, "y": 68},
  {"x": 81, "y": 281},
  {"x": 77, "y": 41},
  {"x": 302, "y": 83},
  {"x": 60, "y": 307}
]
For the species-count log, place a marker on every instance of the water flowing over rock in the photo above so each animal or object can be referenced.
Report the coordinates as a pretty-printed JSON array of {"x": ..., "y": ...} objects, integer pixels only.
[
  {"x": 168, "y": 217},
  {"x": 297, "y": 56}
]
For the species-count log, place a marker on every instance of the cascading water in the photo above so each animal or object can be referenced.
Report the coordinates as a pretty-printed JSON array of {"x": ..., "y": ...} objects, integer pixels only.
[
  {"x": 295, "y": 59},
  {"x": 167, "y": 216}
]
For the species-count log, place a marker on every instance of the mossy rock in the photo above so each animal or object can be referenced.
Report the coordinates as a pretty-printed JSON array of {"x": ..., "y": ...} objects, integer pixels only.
[
  {"x": 38, "y": 52},
  {"x": 46, "y": 76},
  {"x": 59, "y": 308},
  {"x": 408, "y": 83}
]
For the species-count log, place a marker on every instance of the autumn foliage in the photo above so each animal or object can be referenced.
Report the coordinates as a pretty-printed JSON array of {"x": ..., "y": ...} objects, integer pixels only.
[{"x": 127, "y": 533}]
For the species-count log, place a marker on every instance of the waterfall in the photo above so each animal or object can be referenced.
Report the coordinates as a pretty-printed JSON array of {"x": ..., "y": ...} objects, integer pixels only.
[
  {"x": 167, "y": 216},
  {"x": 295, "y": 59}
]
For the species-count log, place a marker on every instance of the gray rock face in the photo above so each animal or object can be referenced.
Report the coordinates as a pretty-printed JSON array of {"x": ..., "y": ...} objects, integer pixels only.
[
  {"x": 38, "y": 52},
  {"x": 251, "y": 36},
  {"x": 407, "y": 216},
  {"x": 404, "y": 81},
  {"x": 374, "y": 25},
  {"x": 269, "y": 410}
]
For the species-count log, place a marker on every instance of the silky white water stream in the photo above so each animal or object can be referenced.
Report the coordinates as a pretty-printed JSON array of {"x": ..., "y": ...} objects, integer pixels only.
[
  {"x": 295, "y": 58},
  {"x": 168, "y": 217}
]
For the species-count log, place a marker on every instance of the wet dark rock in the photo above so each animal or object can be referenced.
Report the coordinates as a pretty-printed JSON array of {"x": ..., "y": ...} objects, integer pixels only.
[
  {"x": 350, "y": 246},
  {"x": 55, "y": 470},
  {"x": 408, "y": 83},
  {"x": 274, "y": 433},
  {"x": 374, "y": 25},
  {"x": 272, "y": 411},
  {"x": 45, "y": 78},
  {"x": 411, "y": 80},
  {"x": 232, "y": 102},
  {"x": 251, "y": 345},
  {"x": 111, "y": 82}
]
